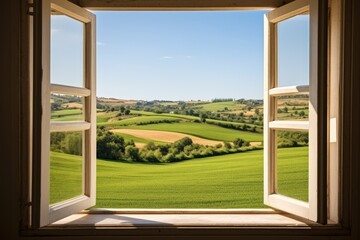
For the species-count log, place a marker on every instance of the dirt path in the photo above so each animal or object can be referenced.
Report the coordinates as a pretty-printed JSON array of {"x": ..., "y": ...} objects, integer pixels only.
[{"x": 164, "y": 136}]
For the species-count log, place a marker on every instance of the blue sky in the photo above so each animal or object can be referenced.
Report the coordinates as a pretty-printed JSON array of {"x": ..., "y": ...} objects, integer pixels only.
[{"x": 179, "y": 55}]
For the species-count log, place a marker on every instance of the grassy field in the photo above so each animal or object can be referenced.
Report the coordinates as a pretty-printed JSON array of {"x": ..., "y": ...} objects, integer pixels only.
[
  {"x": 218, "y": 106},
  {"x": 67, "y": 115},
  {"x": 128, "y": 137},
  {"x": 65, "y": 176},
  {"x": 202, "y": 130},
  {"x": 229, "y": 181},
  {"x": 104, "y": 117},
  {"x": 139, "y": 120}
]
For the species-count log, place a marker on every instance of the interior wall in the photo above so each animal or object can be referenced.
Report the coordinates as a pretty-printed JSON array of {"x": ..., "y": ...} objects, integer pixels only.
[{"x": 10, "y": 83}]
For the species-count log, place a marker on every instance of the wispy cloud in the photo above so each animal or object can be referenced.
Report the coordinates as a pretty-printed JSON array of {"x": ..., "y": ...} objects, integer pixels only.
[
  {"x": 167, "y": 57},
  {"x": 54, "y": 30}
]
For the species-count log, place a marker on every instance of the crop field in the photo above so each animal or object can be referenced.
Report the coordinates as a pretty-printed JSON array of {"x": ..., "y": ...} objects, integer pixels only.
[
  {"x": 104, "y": 117},
  {"x": 67, "y": 115},
  {"x": 139, "y": 120},
  {"x": 202, "y": 130},
  {"x": 228, "y": 181},
  {"x": 128, "y": 137},
  {"x": 164, "y": 136},
  {"x": 216, "y": 106}
]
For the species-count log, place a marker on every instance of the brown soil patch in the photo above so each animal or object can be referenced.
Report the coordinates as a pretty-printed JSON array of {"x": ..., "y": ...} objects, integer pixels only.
[
  {"x": 140, "y": 145},
  {"x": 72, "y": 105},
  {"x": 163, "y": 136},
  {"x": 255, "y": 144}
]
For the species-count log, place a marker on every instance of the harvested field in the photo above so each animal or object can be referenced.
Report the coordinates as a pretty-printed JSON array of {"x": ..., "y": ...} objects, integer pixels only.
[{"x": 164, "y": 136}]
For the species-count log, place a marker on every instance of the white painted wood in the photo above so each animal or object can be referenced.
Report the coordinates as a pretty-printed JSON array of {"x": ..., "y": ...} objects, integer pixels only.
[
  {"x": 66, "y": 208},
  {"x": 333, "y": 131},
  {"x": 180, "y": 211},
  {"x": 335, "y": 35},
  {"x": 271, "y": 198},
  {"x": 270, "y": 74},
  {"x": 291, "y": 205},
  {"x": 53, "y": 213},
  {"x": 90, "y": 114},
  {"x": 72, "y": 10},
  {"x": 69, "y": 126},
  {"x": 137, "y": 220},
  {"x": 289, "y": 125},
  {"x": 313, "y": 113},
  {"x": 62, "y": 89},
  {"x": 289, "y": 10},
  {"x": 291, "y": 90},
  {"x": 45, "y": 119}
]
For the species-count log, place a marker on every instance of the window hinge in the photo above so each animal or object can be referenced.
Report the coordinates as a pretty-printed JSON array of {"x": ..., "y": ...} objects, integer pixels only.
[{"x": 30, "y": 9}]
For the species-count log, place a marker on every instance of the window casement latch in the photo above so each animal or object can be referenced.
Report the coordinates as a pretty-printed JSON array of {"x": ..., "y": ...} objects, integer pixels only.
[{"x": 30, "y": 10}]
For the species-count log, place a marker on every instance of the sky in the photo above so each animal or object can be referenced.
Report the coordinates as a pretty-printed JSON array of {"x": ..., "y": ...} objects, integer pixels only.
[{"x": 179, "y": 55}]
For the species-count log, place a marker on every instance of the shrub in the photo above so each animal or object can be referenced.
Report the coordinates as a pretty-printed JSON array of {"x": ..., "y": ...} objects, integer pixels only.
[{"x": 132, "y": 153}]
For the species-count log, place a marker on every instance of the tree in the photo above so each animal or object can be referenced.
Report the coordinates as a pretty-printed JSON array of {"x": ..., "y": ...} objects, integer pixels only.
[
  {"x": 122, "y": 109},
  {"x": 180, "y": 144},
  {"x": 109, "y": 145},
  {"x": 203, "y": 117},
  {"x": 239, "y": 142},
  {"x": 127, "y": 112},
  {"x": 132, "y": 153},
  {"x": 72, "y": 143},
  {"x": 286, "y": 109},
  {"x": 257, "y": 111},
  {"x": 301, "y": 113}
]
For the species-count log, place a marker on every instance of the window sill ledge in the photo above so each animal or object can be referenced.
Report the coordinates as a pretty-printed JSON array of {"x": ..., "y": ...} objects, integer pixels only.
[{"x": 105, "y": 218}]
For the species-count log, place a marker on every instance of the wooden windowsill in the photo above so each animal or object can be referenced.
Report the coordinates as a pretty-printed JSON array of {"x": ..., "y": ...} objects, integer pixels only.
[{"x": 181, "y": 218}]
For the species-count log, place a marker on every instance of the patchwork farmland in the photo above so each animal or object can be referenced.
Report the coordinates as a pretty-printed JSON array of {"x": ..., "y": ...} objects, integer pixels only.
[{"x": 192, "y": 154}]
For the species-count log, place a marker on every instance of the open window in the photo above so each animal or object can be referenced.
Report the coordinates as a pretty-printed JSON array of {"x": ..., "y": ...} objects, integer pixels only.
[
  {"x": 79, "y": 25},
  {"x": 46, "y": 210},
  {"x": 276, "y": 88}
]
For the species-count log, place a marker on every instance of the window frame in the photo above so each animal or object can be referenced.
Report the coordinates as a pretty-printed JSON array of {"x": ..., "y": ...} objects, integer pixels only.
[
  {"x": 308, "y": 210},
  {"x": 242, "y": 231},
  {"x": 42, "y": 212}
]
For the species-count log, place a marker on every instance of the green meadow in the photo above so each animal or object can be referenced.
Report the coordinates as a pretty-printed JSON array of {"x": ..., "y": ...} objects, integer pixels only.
[
  {"x": 215, "y": 106},
  {"x": 228, "y": 181},
  {"x": 67, "y": 115}
]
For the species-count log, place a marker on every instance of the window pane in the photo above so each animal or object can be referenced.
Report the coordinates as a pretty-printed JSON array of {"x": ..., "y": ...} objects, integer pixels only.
[
  {"x": 292, "y": 164},
  {"x": 293, "y": 51},
  {"x": 67, "y": 50},
  {"x": 66, "y": 165},
  {"x": 66, "y": 107},
  {"x": 293, "y": 107}
]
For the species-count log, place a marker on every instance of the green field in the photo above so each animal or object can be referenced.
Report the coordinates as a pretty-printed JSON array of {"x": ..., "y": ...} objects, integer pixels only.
[
  {"x": 100, "y": 118},
  {"x": 65, "y": 176},
  {"x": 67, "y": 115},
  {"x": 138, "y": 120},
  {"x": 228, "y": 181},
  {"x": 202, "y": 130},
  {"x": 217, "y": 106}
]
